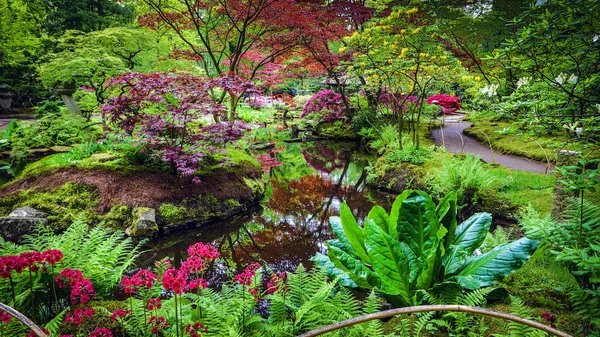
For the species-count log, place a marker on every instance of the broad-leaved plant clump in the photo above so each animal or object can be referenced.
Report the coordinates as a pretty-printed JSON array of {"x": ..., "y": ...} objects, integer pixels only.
[{"x": 418, "y": 246}]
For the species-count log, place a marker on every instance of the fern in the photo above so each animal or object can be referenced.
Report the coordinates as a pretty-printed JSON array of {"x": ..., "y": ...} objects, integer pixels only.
[{"x": 518, "y": 308}]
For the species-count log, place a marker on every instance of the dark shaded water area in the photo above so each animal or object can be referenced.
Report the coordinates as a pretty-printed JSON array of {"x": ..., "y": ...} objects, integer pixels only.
[{"x": 292, "y": 222}]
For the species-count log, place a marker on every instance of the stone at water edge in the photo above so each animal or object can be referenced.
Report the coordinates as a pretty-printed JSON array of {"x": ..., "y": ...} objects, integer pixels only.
[
  {"x": 27, "y": 212},
  {"x": 144, "y": 223},
  {"x": 21, "y": 221}
]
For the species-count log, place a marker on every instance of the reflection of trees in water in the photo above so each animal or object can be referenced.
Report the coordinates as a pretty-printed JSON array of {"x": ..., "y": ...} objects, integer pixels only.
[{"x": 295, "y": 224}]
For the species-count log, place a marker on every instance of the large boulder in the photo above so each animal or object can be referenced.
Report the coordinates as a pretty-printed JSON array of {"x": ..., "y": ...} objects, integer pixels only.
[
  {"x": 144, "y": 223},
  {"x": 21, "y": 221}
]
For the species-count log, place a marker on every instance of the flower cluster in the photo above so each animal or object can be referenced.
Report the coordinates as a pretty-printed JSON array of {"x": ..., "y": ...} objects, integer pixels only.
[
  {"x": 207, "y": 252},
  {"x": 81, "y": 288},
  {"x": 448, "y": 103},
  {"x": 154, "y": 304},
  {"x": 31, "y": 260},
  {"x": 490, "y": 90},
  {"x": 78, "y": 315},
  {"x": 245, "y": 278},
  {"x": 101, "y": 332},
  {"x": 175, "y": 280},
  {"x": 119, "y": 314},
  {"x": 158, "y": 323},
  {"x": 5, "y": 317},
  {"x": 143, "y": 278},
  {"x": 195, "y": 329},
  {"x": 326, "y": 101}
]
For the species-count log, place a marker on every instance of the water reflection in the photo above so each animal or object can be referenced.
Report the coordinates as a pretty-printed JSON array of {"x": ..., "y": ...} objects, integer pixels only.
[{"x": 302, "y": 193}]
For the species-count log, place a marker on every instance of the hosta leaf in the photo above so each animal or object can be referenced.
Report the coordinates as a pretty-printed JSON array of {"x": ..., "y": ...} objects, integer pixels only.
[
  {"x": 389, "y": 262},
  {"x": 485, "y": 270},
  {"x": 353, "y": 232}
]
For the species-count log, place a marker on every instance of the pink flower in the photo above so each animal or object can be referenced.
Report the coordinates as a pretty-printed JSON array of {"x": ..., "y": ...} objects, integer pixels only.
[
  {"x": 245, "y": 278},
  {"x": 120, "y": 314},
  {"x": 52, "y": 256},
  {"x": 207, "y": 252},
  {"x": 128, "y": 285},
  {"x": 194, "y": 264},
  {"x": 5, "y": 317},
  {"x": 195, "y": 329},
  {"x": 144, "y": 278},
  {"x": 175, "y": 280},
  {"x": 33, "y": 334},
  {"x": 277, "y": 280},
  {"x": 158, "y": 323},
  {"x": 154, "y": 303}
]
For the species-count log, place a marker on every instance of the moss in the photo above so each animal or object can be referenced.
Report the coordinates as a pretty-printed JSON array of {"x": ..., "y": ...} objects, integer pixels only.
[
  {"x": 521, "y": 144},
  {"x": 63, "y": 204},
  {"x": 119, "y": 217},
  {"x": 173, "y": 214},
  {"x": 256, "y": 185},
  {"x": 336, "y": 130},
  {"x": 542, "y": 281},
  {"x": 231, "y": 203},
  {"x": 241, "y": 162}
]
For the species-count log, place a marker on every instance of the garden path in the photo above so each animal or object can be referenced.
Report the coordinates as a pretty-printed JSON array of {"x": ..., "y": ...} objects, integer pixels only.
[{"x": 452, "y": 138}]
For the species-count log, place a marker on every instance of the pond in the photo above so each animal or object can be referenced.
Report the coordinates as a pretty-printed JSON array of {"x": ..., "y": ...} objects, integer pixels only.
[{"x": 291, "y": 224}]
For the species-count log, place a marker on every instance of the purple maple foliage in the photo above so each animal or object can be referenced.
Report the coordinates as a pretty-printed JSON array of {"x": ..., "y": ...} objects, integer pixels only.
[
  {"x": 160, "y": 107},
  {"x": 327, "y": 101}
]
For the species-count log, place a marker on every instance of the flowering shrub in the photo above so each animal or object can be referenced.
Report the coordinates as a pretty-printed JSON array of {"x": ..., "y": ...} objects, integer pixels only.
[
  {"x": 159, "y": 108},
  {"x": 327, "y": 102},
  {"x": 448, "y": 103}
]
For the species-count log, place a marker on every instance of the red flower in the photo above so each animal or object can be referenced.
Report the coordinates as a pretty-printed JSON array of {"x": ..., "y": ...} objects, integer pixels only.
[
  {"x": 5, "y": 317},
  {"x": 119, "y": 313},
  {"x": 101, "y": 332},
  {"x": 52, "y": 256},
  {"x": 245, "y": 278},
  {"x": 158, "y": 323},
  {"x": 194, "y": 264},
  {"x": 448, "y": 103},
  {"x": 175, "y": 280},
  {"x": 128, "y": 285},
  {"x": 154, "y": 303},
  {"x": 78, "y": 315},
  {"x": 195, "y": 329},
  {"x": 207, "y": 252},
  {"x": 144, "y": 278}
]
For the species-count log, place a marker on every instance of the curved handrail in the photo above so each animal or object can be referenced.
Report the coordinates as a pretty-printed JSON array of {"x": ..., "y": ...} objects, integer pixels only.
[
  {"x": 442, "y": 307},
  {"x": 16, "y": 314}
]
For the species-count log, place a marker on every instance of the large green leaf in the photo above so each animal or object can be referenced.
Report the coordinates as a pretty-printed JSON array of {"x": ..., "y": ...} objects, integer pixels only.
[
  {"x": 354, "y": 233},
  {"x": 418, "y": 224},
  {"x": 485, "y": 270},
  {"x": 471, "y": 233},
  {"x": 357, "y": 271},
  {"x": 389, "y": 262},
  {"x": 446, "y": 212},
  {"x": 333, "y": 272},
  {"x": 380, "y": 217},
  {"x": 336, "y": 226},
  {"x": 395, "y": 212}
]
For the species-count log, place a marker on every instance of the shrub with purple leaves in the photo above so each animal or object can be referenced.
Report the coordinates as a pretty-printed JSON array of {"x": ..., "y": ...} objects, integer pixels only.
[
  {"x": 160, "y": 107},
  {"x": 327, "y": 102}
]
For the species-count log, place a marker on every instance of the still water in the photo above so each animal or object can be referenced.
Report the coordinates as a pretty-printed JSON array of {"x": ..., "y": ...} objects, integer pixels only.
[{"x": 292, "y": 222}]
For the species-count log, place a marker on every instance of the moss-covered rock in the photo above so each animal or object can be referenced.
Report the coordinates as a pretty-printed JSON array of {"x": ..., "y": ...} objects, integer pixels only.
[
  {"x": 336, "y": 130},
  {"x": 144, "y": 223},
  {"x": 118, "y": 217},
  {"x": 173, "y": 214}
]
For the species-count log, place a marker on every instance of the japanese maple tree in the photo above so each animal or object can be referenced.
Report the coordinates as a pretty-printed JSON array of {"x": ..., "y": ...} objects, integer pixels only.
[{"x": 160, "y": 109}]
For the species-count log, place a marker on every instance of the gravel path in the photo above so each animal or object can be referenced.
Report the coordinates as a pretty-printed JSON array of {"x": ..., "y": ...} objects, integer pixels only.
[{"x": 451, "y": 136}]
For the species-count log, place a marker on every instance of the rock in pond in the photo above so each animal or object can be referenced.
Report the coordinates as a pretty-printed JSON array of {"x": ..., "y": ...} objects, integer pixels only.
[{"x": 144, "y": 223}]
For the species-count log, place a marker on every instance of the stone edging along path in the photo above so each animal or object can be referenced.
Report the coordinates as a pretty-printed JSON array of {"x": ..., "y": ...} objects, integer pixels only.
[{"x": 452, "y": 138}]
